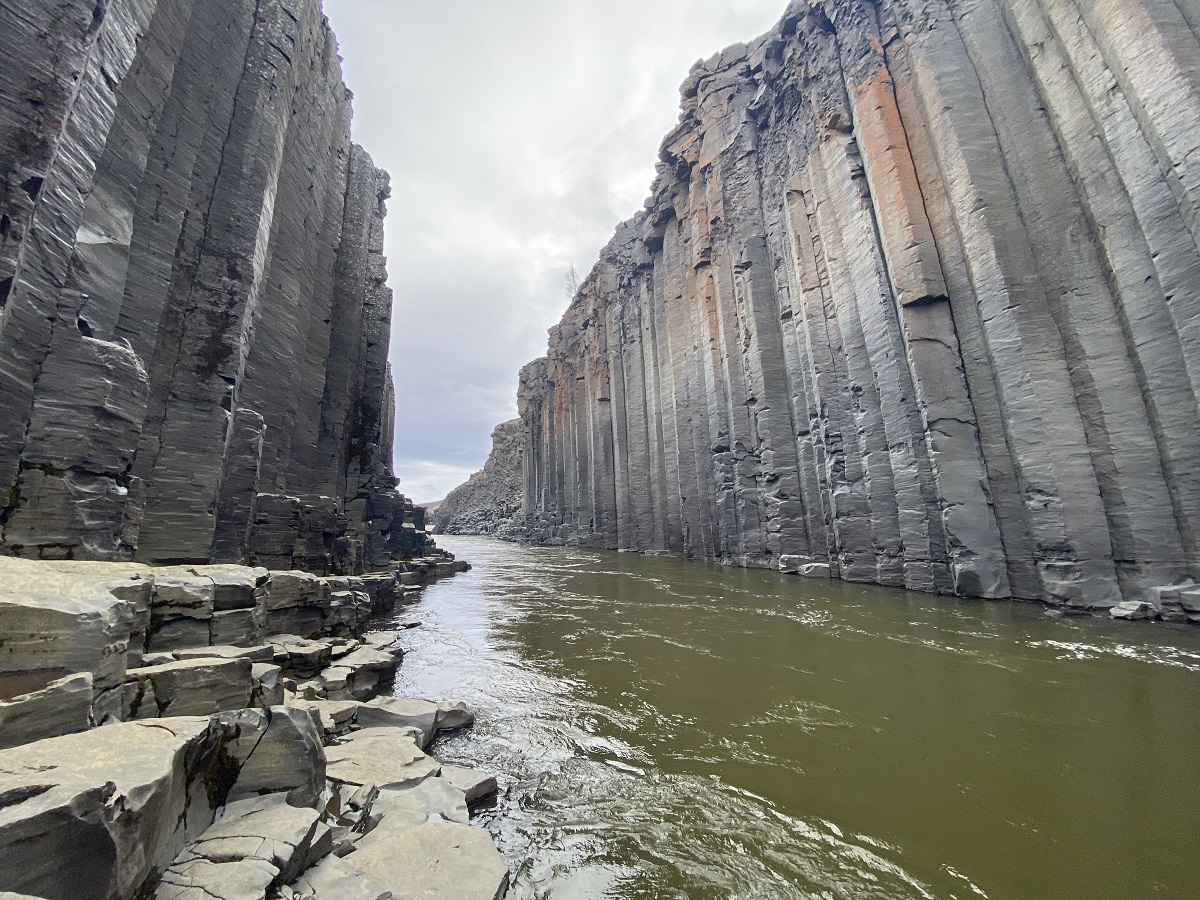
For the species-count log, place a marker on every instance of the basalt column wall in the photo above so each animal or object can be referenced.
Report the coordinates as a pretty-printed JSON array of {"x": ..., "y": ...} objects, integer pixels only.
[
  {"x": 915, "y": 301},
  {"x": 194, "y": 318}
]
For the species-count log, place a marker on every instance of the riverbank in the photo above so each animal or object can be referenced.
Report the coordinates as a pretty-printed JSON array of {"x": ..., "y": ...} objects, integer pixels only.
[
  {"x": 226, "y": 732},
  {"x": 663, "y": 728}
]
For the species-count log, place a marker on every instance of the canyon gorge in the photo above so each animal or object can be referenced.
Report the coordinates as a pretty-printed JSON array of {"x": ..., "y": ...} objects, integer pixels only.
[{"x": 914, "y": 301}]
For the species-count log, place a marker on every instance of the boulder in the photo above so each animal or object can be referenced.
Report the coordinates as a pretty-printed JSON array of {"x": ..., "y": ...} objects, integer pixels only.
[
  {"x": 335, "y": 716},
  {"x": 58, "y": 623},
  {"x": 1133, "y": 609},
  {"x": 401, "y": 712},
  {"x": 386, "y": 757},
  {"x": 62, "y": 707},
  {"x": 189, "y": 687},
  {"x": 284, "y": 753},
  {"x": 253, "y": 846},
  {"x": 301, "y": 656},
  {"x": 474, "y": 784},
  {"x": 95, "y": 815},
  {"x": 361, "y": 673},
  {"x": 453, "y": 715},
  {"x": 268, "y": 685}
]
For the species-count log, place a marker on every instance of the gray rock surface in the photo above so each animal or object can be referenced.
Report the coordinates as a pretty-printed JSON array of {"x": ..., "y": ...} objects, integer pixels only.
[
  {"x": 95, "y": 815},
  {"x": 490, "y": 497},
  {"x": 913, "y": 302},
  {"x": 435, "y": 860},
  {"x": 194, "y": 316},
  {"x": 385, "y": 757},
  {"x": 474, "y": 784},
  {"x": 61, "y": 707},
  {"x": 254, "y": 845},
  {"x": 279, "y": 751}
]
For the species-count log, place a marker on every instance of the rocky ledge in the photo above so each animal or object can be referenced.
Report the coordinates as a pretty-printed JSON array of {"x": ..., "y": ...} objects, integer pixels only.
[
  {"x": 491, "y": 498},
  {"x": 190, "y": 733}
]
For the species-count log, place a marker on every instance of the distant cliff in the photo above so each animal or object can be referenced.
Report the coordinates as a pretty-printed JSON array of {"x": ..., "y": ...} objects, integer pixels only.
[
  {"x": 915, "y": 301},
  {"x": 492, "y": 496},
  {"x": 194, "y": 318}
]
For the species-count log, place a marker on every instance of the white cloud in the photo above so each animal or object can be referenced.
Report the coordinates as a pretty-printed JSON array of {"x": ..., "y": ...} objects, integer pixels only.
[
  {"x": 427, "y": 480},
  {"x": 518, "y": 133}
]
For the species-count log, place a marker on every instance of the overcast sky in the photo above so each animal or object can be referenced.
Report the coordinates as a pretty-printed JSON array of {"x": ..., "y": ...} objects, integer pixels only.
[{"x": 518, "y": 134}]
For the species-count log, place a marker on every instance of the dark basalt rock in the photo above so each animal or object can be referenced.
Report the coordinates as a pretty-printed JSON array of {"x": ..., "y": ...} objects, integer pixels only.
[
  {"x": 913, "y": 302},
  {"x": 492, "y": 496},
  {"x": 195, "y": 318}
]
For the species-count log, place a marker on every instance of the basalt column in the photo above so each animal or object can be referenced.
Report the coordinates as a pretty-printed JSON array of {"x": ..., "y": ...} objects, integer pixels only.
[
  {"x": 194, "y": 315},
  {"x": 915, "y": 301}
]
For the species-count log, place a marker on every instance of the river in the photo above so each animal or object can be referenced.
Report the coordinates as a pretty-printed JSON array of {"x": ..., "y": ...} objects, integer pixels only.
[{"x": 664, "y": 729}]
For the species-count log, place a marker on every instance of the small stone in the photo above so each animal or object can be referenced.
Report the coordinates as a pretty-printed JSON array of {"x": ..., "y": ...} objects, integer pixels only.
[{"x": 1133, "y": 609}]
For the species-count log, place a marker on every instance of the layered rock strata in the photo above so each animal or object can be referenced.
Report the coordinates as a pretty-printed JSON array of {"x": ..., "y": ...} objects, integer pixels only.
[
  {"x": 270, "y": 768},
  {"x": 492, "y": 496},
  {"x": 915, "y": 301},
  {"x": 194, "y": 318}
]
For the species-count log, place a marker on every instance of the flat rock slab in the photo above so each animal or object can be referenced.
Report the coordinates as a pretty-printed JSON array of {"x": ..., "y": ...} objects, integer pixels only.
[
  {"x": 434, "y": 799},
  {"x": 410, "y": 712},
  {"x": 254, "y": 845},
  {"x": 62, "y": 707},
  {"x": 385, "y": 757},
  {"x": 89, "y": 816},
  {"x": 58, "y": 623},
  {"x": 338, "y": 879},
  {"x": 400, "y": 712},
  {"x": 189, "y": 687},
  {"x": 437, "y": 860},
  {"x": 263, "y": 653}
]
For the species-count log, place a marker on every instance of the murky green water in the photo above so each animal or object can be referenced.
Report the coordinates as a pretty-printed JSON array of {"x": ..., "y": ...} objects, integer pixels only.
[{"x": 666, "y": 729}]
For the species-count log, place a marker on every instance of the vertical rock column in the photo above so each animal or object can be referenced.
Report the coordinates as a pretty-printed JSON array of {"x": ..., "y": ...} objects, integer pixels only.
[
  {"x": 912, "y": 302},
  {"x": 194, "y": 316}
]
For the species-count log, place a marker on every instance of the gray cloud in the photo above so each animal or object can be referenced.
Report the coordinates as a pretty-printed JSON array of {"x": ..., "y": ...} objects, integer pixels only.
[{"x": 518, "y": 134}]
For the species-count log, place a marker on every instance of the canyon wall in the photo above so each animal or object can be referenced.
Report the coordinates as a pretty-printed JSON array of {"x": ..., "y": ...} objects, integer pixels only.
[
  {"x": 490, "y": 498},
  {"x": 915, "y": 301},
  {"x": 194, "y": 318}
]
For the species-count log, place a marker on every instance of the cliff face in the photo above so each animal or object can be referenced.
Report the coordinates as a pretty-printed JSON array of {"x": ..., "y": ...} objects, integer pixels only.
[
  {"x": 193, "y": 313},
  {"x": 492, "y": 496},
  {"x": 915, "y": 301}
]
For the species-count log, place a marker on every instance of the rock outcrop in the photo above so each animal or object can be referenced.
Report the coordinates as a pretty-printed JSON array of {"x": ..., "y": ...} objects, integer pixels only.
[
  {"x": 915, "y": 301},
  {"x": 236, "y": 772},
  {"x": 194, "y": 318},
  {"x": 492, "y": 496}
]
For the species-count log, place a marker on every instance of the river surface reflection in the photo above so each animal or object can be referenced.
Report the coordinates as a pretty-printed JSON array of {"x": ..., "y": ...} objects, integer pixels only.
[{"x": 669, "y": 729}]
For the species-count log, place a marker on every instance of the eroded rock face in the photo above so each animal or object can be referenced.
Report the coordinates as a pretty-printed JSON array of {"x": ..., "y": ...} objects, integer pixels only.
[
  {"x": 194, "y": 315},
  {"x": 913, "y": 302},
  {"x": 492, "y": 496}
]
